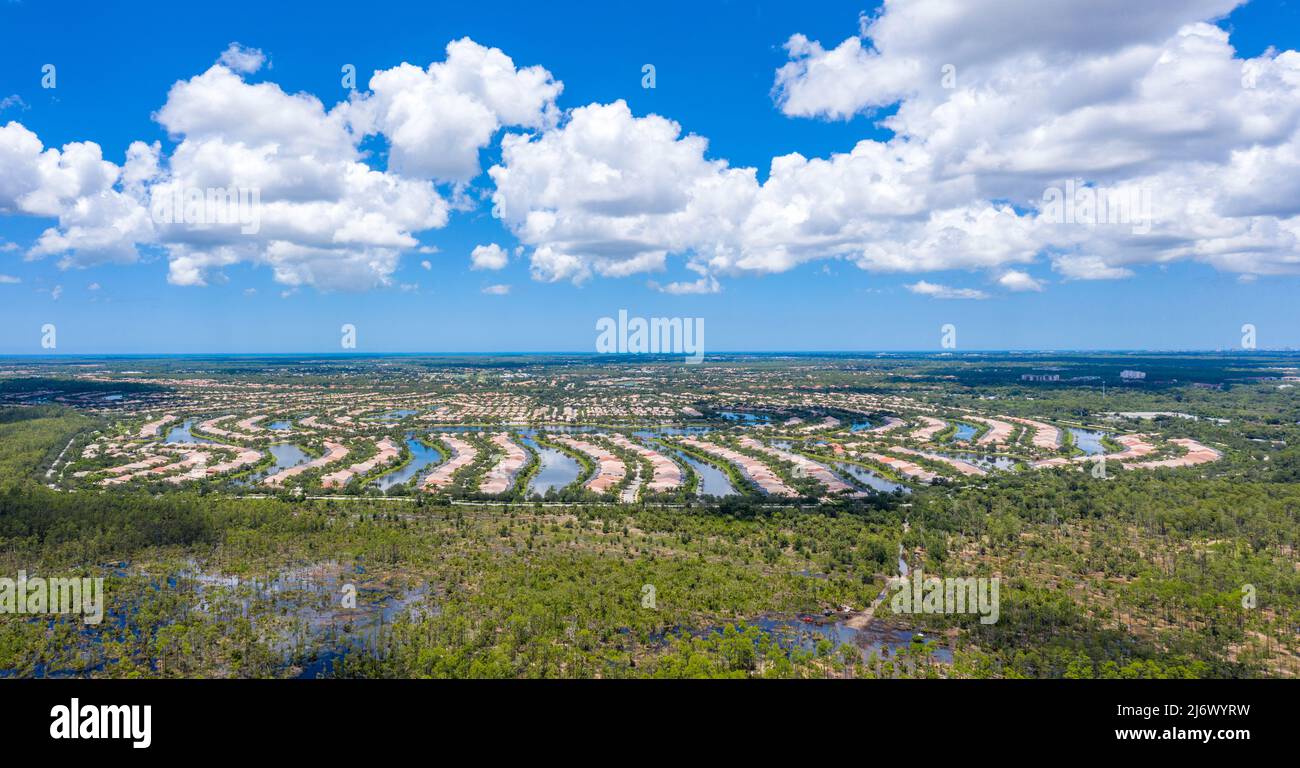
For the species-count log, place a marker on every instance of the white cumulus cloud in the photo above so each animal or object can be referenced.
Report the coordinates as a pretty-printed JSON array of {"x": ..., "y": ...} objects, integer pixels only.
[
  {"x": 1015, "y": 280},
  {"x": 937, "y": 291},
  {"x": 989, "y": 107},
  {"x": 994, "y": 103},
  {"x": 437, "y": 119},
  {"x": 490, "y": 256},
  {"x": 307, "y": 204},
  {"x": 245, "y": 61}
]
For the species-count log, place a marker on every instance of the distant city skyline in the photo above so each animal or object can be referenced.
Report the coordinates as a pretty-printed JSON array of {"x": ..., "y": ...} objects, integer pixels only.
[{"x": 837, "y": 178}]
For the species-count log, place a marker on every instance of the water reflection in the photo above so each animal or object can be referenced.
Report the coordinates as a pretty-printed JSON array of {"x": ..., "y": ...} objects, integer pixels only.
[
  {"x": 981, "y": 460},
  {"x": 713, "y": 481},
  {"x": 556, "y": 471},
  {"x": 1088, "y": 440},
  {"x": 743, "y": 416},
  {"x": 181, "y": 435},
  {"x": 806, "y": 634},
  {"x": 964, "y": 431},
  {"x": 422, "y": 457},
  {"x": 286, "y": 455},
  {"x": 870, "y": 479}
]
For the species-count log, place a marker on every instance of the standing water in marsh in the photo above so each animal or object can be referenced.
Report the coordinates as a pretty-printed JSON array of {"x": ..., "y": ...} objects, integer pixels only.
[
  {"x": 871, "y": 638},
  {"x": 301, "y": 622},
  {"x": 880, "y": 641},
  {"x": 808, "y": 632},
  {"x": 302, "y": 612}
]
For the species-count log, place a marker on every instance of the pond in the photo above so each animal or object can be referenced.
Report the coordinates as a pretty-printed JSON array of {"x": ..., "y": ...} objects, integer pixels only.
[
  {"x": 869, "y": 478},
  {"x": 743, "y": 416},
  {"x": 181, "y": 436},
  {"x": 401, "y": 413},
  {"x": 1088, "y": 440},
  {"x": 422, "y": 457},
  {"x": 965, "y": 432},
  {"x": 981, "y": 460},
  {"x": 713, "y": 481},
  {"x": 662, "y": 431},
  {"x": 528, "y": 431},
  {"x": 556, "y": 471},
  {"x": 286, "y": 455}
]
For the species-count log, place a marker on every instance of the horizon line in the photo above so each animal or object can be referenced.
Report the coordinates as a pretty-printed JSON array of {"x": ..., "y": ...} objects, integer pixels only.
[{"x": 658, "y": 355}]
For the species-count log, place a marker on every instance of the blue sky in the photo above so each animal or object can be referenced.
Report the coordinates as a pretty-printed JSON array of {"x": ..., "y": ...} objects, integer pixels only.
[{"x": 715, "y": 68}]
